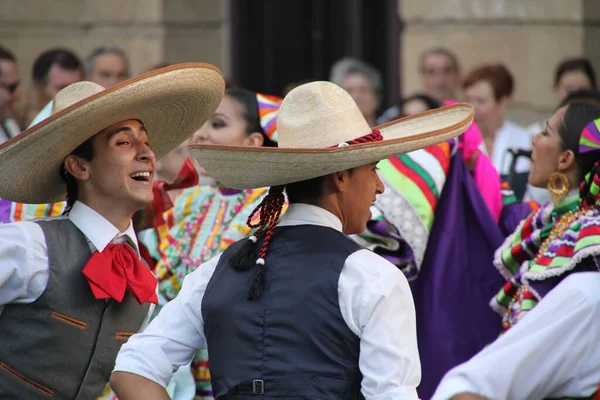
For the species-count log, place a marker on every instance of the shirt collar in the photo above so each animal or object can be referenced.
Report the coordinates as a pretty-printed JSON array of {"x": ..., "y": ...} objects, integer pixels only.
[
  {"x": 306, "y": 214},
  {"x": 98, "y": 229}
]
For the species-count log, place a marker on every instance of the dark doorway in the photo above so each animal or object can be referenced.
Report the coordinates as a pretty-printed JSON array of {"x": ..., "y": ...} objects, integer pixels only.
[{"x": 275, "y": 42}]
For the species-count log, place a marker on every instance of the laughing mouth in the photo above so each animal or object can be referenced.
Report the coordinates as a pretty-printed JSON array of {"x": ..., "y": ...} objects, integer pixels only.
[{"x": 141, "y": 176}]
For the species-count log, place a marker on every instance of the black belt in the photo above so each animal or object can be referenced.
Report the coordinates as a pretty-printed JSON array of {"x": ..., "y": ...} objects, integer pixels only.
[{"x": 256, "y": 386}]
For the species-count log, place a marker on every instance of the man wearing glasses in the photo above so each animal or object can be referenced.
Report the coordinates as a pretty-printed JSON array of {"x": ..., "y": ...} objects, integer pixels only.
[{"x": 9, "y": 82}]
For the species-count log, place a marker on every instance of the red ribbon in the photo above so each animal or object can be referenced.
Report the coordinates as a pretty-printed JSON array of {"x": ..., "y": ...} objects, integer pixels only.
[
  {"x": 187, "y": 177},
  {"x": 117, "y": 269}
]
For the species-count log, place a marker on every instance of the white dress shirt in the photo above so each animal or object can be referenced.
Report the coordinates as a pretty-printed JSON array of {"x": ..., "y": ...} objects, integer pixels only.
[
  {"x": 43, "y": 114},
  {"x": 510, "y": 136},
  {"x": 24, "y": 254},
  {"x": 375, "y": 302},
  {"x": 553, "y": 352}
]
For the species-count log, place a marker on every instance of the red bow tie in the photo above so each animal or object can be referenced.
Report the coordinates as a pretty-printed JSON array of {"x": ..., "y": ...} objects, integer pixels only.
[{"x": 116, "y": 269}]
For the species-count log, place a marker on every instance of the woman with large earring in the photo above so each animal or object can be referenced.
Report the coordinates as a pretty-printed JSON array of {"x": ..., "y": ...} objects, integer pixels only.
[{"x": 550, "y": 303}]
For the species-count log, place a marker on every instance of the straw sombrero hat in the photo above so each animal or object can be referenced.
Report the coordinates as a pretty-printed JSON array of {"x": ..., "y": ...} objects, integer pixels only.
[
  {"x": 314, "y": 118},
  {"x": 171, "y": 102}
]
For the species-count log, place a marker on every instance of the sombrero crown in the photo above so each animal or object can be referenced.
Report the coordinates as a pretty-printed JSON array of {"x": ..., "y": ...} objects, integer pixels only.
[
  {"x": 314, "y": 123},
  {"x": 171, "y": 102}
]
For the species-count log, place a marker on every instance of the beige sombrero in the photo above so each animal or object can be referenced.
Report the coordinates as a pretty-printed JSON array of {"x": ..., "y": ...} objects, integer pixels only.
[
  {"x": 171, "y": 102},
  {"x": 313, "y": 118}
]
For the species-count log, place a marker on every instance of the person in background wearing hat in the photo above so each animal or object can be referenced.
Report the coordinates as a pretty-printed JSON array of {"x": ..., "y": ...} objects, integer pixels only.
[
  {"x": 298, "y": 309},
  {"x": 550, "y": 303},
  {"x": 73, "y": 288}
]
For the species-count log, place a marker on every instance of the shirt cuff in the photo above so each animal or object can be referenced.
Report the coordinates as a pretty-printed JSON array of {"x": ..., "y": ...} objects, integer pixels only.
[
  {"x": 450, "y": 387},
  {"x": 128, "y": 360},
  {"x": 403, "y": 392}
]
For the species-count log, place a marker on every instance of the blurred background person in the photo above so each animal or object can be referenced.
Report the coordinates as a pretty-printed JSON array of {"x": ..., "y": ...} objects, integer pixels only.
[
  {"x": 9, "y": 85},
  {"x": 363, "y": 82},
  {"x": 56, "y": 69},
  {"x": 414, "y": 104},
  {"x": 571, "y": 75},
  {"x": 489, "y": 89},
  {"x": 440, "y": 74},
  {"x": 107, "y": 66}
]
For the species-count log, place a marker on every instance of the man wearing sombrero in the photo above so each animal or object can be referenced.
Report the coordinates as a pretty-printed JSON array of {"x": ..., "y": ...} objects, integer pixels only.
[
  {"x": 298, "y": 310},
  {"x": 73, "y": 288}
]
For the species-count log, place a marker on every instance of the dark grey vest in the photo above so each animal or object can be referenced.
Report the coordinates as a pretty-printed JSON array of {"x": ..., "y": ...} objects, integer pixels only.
[
  {"x": 294, "y": 338},
  {"x": 64, "y": 345}
]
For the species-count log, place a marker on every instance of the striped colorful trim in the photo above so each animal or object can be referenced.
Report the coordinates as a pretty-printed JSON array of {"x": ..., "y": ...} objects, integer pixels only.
[
  {"x": 26, "y": 212},
  {"x": 420, "y": 177},
  {"x": 520, "y": 261}
]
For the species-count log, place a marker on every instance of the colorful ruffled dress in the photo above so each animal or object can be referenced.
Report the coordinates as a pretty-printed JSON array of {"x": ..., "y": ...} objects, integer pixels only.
[{"x": 552, "y": 243}]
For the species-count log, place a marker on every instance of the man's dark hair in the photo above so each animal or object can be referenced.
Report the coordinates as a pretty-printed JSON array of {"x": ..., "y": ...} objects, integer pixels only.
[
  {"x": 65, "y": 59},
  {"x": 6, "y": 54},
  {"x": 85, "y": 151},
  {"x": 308, "y": 191},
  {"x": 582, "y": 65}
]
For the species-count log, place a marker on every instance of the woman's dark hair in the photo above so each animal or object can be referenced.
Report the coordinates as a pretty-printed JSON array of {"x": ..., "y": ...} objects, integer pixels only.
[
  {"x": 249, "y": 103},
  {"x": 85, "y": 151},
  {"x": 575, "y": 64},
  {"x": 577, "y": 117},
  {"x": 429, "y": 101}
]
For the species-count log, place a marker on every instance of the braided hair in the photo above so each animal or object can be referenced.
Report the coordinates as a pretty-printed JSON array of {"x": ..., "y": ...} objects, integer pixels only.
[
  {"x": 270, "y": 209},
  {"x": 250, "y": 253},
  {"x": 577, "y": 117},
  {"x": 85, "y": 151}
]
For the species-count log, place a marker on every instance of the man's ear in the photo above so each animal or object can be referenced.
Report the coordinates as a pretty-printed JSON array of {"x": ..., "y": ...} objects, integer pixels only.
[
  {"x": 78, "y": 167},
  {"x": 339, "y": 180}
]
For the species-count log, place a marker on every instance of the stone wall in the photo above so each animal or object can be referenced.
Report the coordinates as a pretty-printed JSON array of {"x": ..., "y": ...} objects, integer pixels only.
[
  {"x": 150, "y": 31},
  {"x": 531, "y": 37}
]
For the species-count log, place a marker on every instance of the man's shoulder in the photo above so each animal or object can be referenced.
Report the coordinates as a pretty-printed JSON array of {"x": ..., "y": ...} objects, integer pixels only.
[
  {"x": 22, "y": 234},
  {"x": 374, "y": 266}
]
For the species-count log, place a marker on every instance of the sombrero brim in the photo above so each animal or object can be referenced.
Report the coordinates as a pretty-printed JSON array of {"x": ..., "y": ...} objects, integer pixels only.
[
  {"x": 244, "y": 167},
  {"x": 172, "y": 103}
]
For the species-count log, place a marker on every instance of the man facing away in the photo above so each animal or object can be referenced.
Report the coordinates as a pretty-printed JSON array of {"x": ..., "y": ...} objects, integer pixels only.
[{"x": 298, "y": 310}]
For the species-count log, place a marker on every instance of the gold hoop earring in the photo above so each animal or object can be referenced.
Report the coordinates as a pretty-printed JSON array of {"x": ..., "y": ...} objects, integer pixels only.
[{"x": 558, "y": 185}]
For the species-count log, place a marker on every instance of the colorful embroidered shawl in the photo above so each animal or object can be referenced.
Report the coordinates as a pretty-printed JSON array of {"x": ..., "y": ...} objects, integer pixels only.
[
  {"x": 413, "y": 186},
  {"x": 519, "y": 261}
]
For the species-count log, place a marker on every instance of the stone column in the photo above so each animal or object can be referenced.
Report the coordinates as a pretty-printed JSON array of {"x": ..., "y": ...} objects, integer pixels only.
[{"x": 193, "y": 31}]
